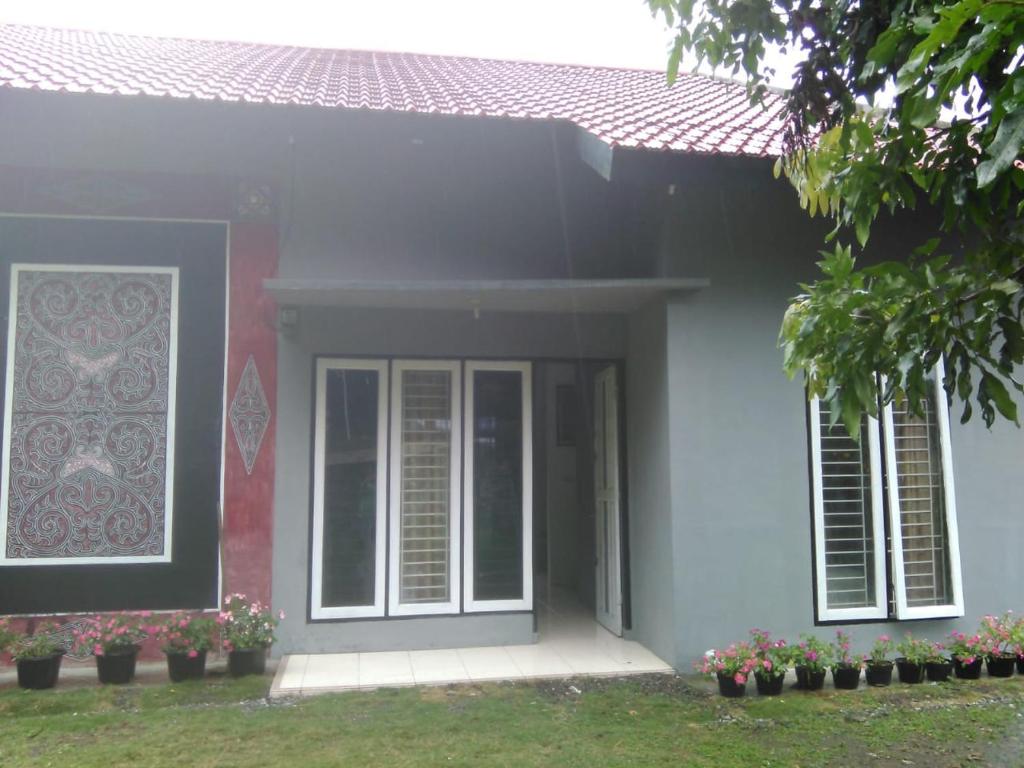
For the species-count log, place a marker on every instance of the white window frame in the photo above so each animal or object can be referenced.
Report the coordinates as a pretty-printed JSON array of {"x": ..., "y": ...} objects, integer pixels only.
[
  {"x": 395, "y": 607},
  {"x": 880, "y": 609},
  {"x": 317, "y": 609},
  {"x": 956, "y": 608},
  {"x": 891, "y": 492},
  {"x": 172, "y": 386},
  {"x": 526, "y": 602}
]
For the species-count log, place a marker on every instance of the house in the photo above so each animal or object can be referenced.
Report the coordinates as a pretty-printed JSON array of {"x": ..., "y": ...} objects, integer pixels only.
[{"x": 411, "y": 345}]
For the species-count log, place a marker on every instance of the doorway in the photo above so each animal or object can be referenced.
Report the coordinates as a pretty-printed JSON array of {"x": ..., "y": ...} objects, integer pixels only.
[{"x": 579, "y": 493}]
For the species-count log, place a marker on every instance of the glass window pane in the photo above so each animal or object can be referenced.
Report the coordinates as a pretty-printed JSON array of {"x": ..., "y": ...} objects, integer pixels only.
[
  {"x": 921, "y": 486},
  {"x": 350, "y": 488},
  {"x": 426, "y": 426},
  {"x": 497, "y": 485},
  {"x": 847, "y": 511}
]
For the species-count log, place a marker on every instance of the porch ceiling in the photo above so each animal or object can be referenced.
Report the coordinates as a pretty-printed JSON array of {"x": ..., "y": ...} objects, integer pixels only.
[{"x": 617, "y": 296}]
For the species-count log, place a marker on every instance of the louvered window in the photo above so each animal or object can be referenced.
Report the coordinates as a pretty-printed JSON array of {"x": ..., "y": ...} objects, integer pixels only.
[
  {"x": 850, "y": 489},
  {"x": 848, "y": 520},
  {"x": 425, "y": 504}
]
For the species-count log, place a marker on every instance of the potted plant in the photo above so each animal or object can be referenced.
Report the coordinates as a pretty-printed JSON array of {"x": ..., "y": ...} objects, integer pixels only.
[
  {"x": 913, "y": 654},
  {"x": 771, "y": 657},
  {"x": 997, "y": 634},
  {"x": 731, "y": 667},
  {"x": 247, "y": 631},
  {"x": 185, "y": 640},
  {"x": 114, "y": 640},
  {"x": 812, "y": 658},
  {"x": 38, "y": 657},
  {"x": 845, "y": 668},
  {"x": 877, "y": 664},
  {"x": 938, "y": 667},
  {"x": 1017, "y": 634},
  {"x": 967, "y": 654}
]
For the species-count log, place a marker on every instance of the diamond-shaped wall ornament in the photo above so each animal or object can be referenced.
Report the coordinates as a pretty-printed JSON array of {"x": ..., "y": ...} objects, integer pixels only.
[{"x": 249, "y": 414}]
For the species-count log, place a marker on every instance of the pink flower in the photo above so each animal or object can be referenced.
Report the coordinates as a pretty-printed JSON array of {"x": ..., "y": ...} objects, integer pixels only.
[
  {"x": 280, "y": 615},
  {"x": 97, "y": 650},
  {"x": 740, "y": 679},
  {"x": 767, "y": 664},
  {"x": 193, "y": 653}
]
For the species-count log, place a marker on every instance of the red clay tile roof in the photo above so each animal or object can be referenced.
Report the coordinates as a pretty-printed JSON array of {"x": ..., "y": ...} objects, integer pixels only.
[{"x": 622, "y": 107}]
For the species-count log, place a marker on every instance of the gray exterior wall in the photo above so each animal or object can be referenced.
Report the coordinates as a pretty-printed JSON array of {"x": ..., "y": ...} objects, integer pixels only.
[
  {"x": 738, "y": 436},
  {"x": 719, "y": 496},
  {"x": 649, "y": 470}
]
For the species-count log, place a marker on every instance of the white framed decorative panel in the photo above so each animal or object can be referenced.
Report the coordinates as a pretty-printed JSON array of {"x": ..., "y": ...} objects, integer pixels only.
[{"x": 88, "y": 441}]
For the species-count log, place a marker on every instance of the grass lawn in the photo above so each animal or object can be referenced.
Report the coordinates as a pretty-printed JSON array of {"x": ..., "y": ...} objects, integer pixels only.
[{"x": 653, "y": 720}]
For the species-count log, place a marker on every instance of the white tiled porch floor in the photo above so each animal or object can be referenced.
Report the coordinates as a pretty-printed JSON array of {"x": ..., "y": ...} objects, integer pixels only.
[{"x": 571, "y": 644}]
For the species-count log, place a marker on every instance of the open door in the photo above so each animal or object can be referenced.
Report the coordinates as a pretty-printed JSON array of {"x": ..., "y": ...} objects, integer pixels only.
[{"x": 606, "y": 499}]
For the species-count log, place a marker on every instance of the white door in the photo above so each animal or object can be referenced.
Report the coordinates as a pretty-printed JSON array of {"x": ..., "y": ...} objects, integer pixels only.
[{"x": 606, "y": 499}]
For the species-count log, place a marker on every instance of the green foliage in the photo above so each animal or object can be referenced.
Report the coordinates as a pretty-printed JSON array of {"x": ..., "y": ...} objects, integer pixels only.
[
  {"x": 186, "y": 633},
  {"x": 894, "y": 105},
  {"x": 245, "y": 624},
  {"x": 40, "y": 645},
  {"x": 915, "y": 650},
  {"x": 7, "y": 635}
]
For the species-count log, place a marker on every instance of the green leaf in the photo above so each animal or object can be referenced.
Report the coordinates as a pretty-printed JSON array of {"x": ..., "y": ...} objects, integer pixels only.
[
  {"x": 1004, "y": 149},
  {"x": 673, "y": 60},
  {"x": 993, "y": 389}
]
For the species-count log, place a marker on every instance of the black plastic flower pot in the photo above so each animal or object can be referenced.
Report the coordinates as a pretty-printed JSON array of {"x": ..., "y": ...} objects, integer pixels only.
[
  {"x": 910, "y": 672},
  {"x": 247, "y": 661},
  {"x": 846, "y": 678},
  {"x": 39, "y": 674},
  {"x": 1000, "y": 665},
  {"x": 769, "y": 686},
  {"x": 878, "y": 673},
  {"x": 810, "y": 680},
  {"x": 964, "y": 671},
  {"x": 939, "y": 671},
  {"x": 1020, "y": 665},
  {"x": 117, "y": 667},
  {"x": 180, "y": 667}
]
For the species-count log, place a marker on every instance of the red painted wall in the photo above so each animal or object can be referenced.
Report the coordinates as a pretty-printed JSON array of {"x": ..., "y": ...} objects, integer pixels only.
[{"x": 246, "y": 537}]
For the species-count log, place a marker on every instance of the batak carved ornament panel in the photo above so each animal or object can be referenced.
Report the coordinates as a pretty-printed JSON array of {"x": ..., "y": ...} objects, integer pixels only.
[{"x": 88, "y": 453}]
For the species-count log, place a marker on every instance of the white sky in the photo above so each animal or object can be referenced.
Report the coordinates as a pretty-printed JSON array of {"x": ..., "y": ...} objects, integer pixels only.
[{"x": 610, "y": 32}]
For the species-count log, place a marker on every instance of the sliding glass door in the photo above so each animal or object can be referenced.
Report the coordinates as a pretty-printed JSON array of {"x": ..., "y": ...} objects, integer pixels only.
[
  {"x": 398, "y": 473},
  {"x": 498, "y": 487},
  {"x": 349, "y": 489}
]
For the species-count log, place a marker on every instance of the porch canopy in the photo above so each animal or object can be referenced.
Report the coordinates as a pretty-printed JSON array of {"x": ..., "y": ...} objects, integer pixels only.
[{"x": 616, "y": 296}]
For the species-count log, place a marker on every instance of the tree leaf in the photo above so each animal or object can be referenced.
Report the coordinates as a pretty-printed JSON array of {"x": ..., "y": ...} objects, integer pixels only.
[
  {"x": 1004, "y": 149},
  {"x": 994, "y": 390}
]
